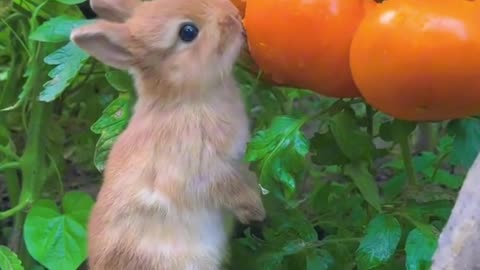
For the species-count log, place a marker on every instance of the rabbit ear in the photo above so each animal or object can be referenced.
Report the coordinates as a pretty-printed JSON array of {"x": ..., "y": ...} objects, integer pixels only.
[
  {"x": 105, "y": 41},
  {"x": 114, "y": 10}
]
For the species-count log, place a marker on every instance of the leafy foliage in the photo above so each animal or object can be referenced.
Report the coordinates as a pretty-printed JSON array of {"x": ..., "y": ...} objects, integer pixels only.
[
  {"x": 466, "y": 133},
  {"x": 58, "y": 240},
  {"x": 57, "y": 29},
  {"x": 9, "y": 260},
  {"x": 280, "y": 150},
  {"x": 420, "y": 247},
  {"x": 115, "y": 117},
  {"x": 380, "y": 242},
  {"x": 69, "y": 61}
]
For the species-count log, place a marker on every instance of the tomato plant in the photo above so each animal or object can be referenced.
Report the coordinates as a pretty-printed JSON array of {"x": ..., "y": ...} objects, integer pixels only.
[{"x": 345, "y": 185}]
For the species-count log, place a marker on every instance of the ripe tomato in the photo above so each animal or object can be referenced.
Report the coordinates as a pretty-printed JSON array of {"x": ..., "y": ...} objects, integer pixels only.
[
  {"x": 369, "y": 5},
  {"x": 305, "y": 44},
  {"x": 420, "y": 60}
]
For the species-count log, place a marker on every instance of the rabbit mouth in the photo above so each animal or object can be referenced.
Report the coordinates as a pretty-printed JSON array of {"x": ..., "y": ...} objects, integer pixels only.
[{"x": 244, "y": 33}]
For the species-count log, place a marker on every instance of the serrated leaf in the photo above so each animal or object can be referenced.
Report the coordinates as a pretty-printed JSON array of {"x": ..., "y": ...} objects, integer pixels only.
[
  {"x": 420, "y": 247},
  {"x": 57, "y": 29},
  {"x": 466, "y": 144},
  {"x": 68, "y": 60},
  {"x": 9, "y": 260},
  {"x": 354, "y": 143},
  {"x": 380, "y": 242},
  {"x": 280, "y": 151},
  {"x": 320, "y": 260},
  {"x": 289, "y": 233},
  {"x": 113, "y": 121},
  {"x": 365, "y": 182},
  {"x": 58, "y": 240}
]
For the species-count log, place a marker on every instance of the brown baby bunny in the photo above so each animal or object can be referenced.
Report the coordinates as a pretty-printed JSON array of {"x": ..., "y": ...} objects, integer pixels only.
[{"x": 176, "y": 172}]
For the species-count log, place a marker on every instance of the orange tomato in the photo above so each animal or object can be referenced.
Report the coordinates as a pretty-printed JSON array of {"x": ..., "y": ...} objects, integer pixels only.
[
  {"x": 305, "y": 44},
  {"x": 369, "y": 5},
  {"x": 420, "y": 60}
]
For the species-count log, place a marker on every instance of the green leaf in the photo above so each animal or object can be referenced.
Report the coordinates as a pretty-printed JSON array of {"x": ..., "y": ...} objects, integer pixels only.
[
  {"x": 59, "y": 240},
  {"x": 280, "y": 151},
  {"x": 113, "y": 121},
  {"x": 120, "y": 80},
  {"x": 294, "y": 246},
  {"x": 447, "y": 179},
  {"x": 71, "y": 2},
  {"x": 354, "y": 143},
  {"x": 68, "y": 60},
  {"x": 427, "y": 160},
  {"x": 396, "y": 129},
  {"x": 320, "y": 260},
  {"x": 57, "y": 29},
  {"x": 466, "y": 144},
  {"x": 365, "y": 182},
  {"x": 269, "y": 261},
  {"x": 420, "y": 247},
  {"x": 394, "y": 187},
  {"x": 9, "y": 260},
  {"x": 438, "y": 208},
  {"x": 51, "y": 9},
  {"x": 326, "y": 150},
  {"x": 380, "y": 242}
]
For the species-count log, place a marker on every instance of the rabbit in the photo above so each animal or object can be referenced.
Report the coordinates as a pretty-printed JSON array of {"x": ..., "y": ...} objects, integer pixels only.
[{"x": 176, "y": 174}]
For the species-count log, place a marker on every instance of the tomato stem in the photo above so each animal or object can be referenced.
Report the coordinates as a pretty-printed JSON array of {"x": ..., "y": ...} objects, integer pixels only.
[{"x": 407, "y": 159}]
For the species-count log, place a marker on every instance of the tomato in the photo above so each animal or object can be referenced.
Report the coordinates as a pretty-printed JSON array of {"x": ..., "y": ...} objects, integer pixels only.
[
  {"x": 305, "y": 44},
  {"x": 420, "y": 60},
  {"x": 369, "y": 5}
]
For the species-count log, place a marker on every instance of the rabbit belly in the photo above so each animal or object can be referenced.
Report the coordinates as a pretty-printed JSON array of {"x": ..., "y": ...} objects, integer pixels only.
[{"x": 182, "y": 240}]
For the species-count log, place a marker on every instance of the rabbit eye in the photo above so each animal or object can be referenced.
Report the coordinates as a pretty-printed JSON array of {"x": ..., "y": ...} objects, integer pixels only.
[{"x": 188, "y": 32}]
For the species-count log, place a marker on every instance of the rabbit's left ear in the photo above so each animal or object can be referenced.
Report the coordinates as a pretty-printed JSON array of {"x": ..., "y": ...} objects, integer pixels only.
[
  {"x": 114, "y": 10},
  {"x": 105, "y": 41}
]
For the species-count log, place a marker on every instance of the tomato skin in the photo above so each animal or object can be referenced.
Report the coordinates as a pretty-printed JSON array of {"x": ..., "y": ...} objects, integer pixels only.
[
  {"x": 420, "y": 60},
  {"x": 369, "y": 5},
  {"x": 305, "y": 44}
]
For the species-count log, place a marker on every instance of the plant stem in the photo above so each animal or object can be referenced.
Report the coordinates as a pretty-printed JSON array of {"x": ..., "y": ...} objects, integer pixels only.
[
  {"x": 370, "y": 113},
  {"x": 426, "y": 139},
  {"x": 8, "y": 152},
  {"x": 9, "y": 165},
  {"x": 407, "y": 160},
  {"x": 12, "y": 211}
]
